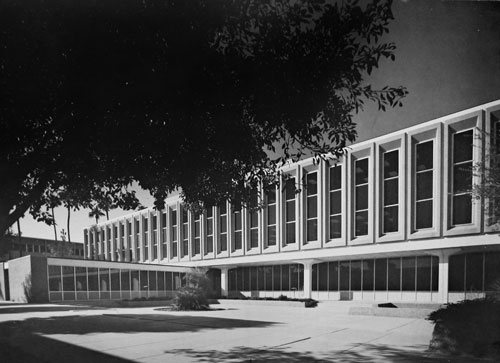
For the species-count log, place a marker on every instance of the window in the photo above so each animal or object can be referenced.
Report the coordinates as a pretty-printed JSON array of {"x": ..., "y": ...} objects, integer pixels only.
[
  {"x": 424, "y": 185},
  {"x": 197, "y": 234},
  {"x": 129, "y": 239},
  {"x": 238, "y": 230},
  {"x": 173, "y": 231},
  {"x": 254, "y": 222},
  {"x": 108, "y": 243},
  {"x": 209, "y": 248},
  {"x": 145, "y": 235},
  {"x": 223, "y": 227},
  {"x": 137, "y": 240},
  {"x": 361, "y": 197},
  {"x": 164, "y": 242},
  {"x": 461, "y": 204},
  {"x": 290, "y": 211},
  {"x": 311, "y": 207},
  {"x": 271, "y": 217},
  {"x": 185, "y": 233},
  {"x": 115, "y": 242},
  {"x": 154, "y": 237},
  {"x": 335, "y": 195},
  {"x": 122, "y": 241},
  {"x": 391, "y": 191}
]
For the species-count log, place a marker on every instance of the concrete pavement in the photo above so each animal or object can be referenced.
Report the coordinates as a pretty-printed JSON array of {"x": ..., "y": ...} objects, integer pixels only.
[{"x": 235, "y": 333}]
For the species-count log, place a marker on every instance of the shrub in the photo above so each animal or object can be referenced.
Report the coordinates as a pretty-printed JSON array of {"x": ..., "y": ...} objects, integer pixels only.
[
  {"x": 470, "y": 327},
  {"x": 190, "y": 298},
  {"x": 193, "y": 295}
]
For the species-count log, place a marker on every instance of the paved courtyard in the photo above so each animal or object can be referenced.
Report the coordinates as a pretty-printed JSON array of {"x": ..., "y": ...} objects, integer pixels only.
[{"x": 235, "y": 333}]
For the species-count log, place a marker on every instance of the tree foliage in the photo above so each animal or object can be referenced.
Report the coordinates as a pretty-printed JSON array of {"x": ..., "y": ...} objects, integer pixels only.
[{"x": 172, "y": 94}]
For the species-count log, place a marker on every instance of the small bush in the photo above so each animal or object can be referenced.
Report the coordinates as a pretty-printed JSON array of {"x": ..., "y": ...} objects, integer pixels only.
[
  {"x": 468, "y": 327},
  {"x": 282, "y": 297},
  {"x": 310, "y": 303},
  {"x": 190, "y": 298}
]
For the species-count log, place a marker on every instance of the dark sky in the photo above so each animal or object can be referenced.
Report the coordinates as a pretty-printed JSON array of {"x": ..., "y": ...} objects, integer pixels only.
[{"x": 447, "y": 55}]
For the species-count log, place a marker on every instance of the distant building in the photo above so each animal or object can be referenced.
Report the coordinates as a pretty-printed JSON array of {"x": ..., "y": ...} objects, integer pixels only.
[{"x": 14, "y": 247}]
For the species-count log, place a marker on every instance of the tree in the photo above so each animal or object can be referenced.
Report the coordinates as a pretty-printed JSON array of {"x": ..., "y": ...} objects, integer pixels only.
[{"x": 190, "y": 95}]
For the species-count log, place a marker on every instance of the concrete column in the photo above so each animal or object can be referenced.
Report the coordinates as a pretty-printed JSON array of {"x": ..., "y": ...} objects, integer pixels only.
[
  {"x": 86, "y": 243},
  {"x": 444, "y": 257},
  {"x": 307, "y": 279},
  {"x": 224, "y": 281}
]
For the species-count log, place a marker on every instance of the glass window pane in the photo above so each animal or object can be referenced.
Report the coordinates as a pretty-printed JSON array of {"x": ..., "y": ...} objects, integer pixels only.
[
  {"x": 424, "y": 273},
  {"x": 290, "y": 211},
  {"x": 356, "y": 275},
  {"x": 492, "y": 271},
  {"x": 435, "y": 273},
  {"x": 394, "y": 274},
  {"x": 294, "y": 277},
  {"x": 462, "y": 209},
  {"x": 290, "y": 189},
  {"x": 368, "y": 275},
  {"x": 312, "y": 207},
  {"x": 55, "y": 282},
  {"x": 277, "y": 278},
  {"x": 290, "y": 233},
  {"x": 81, "y": 278},
  {"x": 93, "y": 279},
  {"x": 462, "y": 178},
  {"x": 271, "y": 196},
  {"x": 68, "y": 278},
  {"x": 268, "y": 273},
  {"x": 115, "y": 279},
  {"x": 134, "y": 279},
  {"x": 312, "y": 183},
  {"x": 391, "y": 219},
  {"x": 335, "y": 227},
  {"x": 362, "y": 197},
  {"x": 408, "y": 279},
  {"x": 335, "y": 177},
  {"x": 271, "y": 236},
  {"x": 323, "y": 276},
  {"x": 424, "y": 185},
  {"x": 362, "y": 223},
  {"x": 344, "y": 276},
  {"x": 271, "y": 215},
  {"x": 125, "y": 280},
  {"x": 285, "y": 277},
  {"x": 169, "y": 281},
  {"x": 312, "y": 230},
  {"x": 462, "y": 146},
  {"x": 361, "y": 171},
  {"x": 474, "y": 274},
  {"x": 333, "y": 278},
  {"x": 381, "y": 274},
  {"x": 104, "y": 279},
  {"x": 152, "y": 281},
  {"x": 391, "y": 191},
  {"x": 391, "y": 166},
  {"x": 143, "y": 276},
  {"x": 424, "y": 155},
  {"x": 336, "y": 202},
  {"x": 423, "y": 214}
]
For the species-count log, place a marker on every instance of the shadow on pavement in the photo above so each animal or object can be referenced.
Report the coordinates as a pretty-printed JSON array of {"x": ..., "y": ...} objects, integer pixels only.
[
  {"x": 23, "y": 341},
  {"x": 28, "y": 308},
  {"x": 361, "y": 353}
]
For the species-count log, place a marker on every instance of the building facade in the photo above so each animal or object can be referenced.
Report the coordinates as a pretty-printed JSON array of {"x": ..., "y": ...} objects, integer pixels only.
[
  {"x": 14, "y": 247},
  {"x": 393, "y": 220}
]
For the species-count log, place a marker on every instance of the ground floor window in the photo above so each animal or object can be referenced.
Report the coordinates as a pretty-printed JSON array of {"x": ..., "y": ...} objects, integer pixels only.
[
  {"x": 474, "y": 272},
  {"x": 91, "y": 283},
  {"x": 267, "y": 278},
  {"x": 416, "y": 273}
]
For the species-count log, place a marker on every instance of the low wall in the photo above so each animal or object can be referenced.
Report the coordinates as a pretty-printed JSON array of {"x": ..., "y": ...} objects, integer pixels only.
[{"x": 28, "y": 279}]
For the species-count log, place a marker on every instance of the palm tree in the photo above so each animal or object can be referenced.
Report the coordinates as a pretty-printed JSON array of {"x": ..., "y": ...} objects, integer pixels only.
[
  {"x": 96, "y": 213},
  {"x": 54, "y": 223}
]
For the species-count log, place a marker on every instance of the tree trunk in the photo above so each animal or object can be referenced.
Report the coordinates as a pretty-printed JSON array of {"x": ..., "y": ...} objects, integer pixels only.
[
  {"x": 54, "y": 224},
  {"x": 18, "y": 230},
  {"x": 69, "y": 214},
  {"x": 107, "y": 215}
]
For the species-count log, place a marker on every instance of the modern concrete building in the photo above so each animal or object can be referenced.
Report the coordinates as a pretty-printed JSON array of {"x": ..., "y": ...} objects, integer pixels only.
[
  {"x": 393, "y": 220},
  {"x": 14, "y": 247}
]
